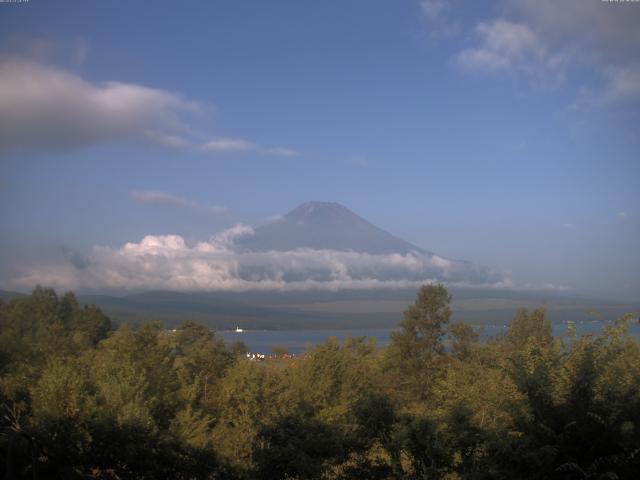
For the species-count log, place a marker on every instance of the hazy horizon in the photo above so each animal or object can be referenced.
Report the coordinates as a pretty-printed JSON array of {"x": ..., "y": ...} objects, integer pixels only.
[{"x": 137, "y": 154}]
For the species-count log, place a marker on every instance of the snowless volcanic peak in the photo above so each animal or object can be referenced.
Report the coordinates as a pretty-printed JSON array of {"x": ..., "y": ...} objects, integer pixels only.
[
  {"x": 325, "y": 225},
  {"x": 317, "y": 246},
  {"x": 319, "y": 211}
]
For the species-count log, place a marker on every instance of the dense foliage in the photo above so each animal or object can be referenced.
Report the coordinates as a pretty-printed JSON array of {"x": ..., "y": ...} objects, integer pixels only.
[{"x": 82, "y": 400}]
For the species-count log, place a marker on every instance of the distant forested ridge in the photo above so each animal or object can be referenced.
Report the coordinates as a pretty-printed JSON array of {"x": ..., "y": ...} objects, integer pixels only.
[{"x": 82, "y": 400}]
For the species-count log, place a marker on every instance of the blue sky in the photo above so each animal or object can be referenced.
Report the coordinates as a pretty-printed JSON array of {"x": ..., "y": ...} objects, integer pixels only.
[{"x": 506, "y": 132}]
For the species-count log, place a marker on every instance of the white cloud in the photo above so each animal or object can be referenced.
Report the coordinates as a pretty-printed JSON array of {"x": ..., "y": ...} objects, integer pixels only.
[
  {"x": 229, "y": 145},
  {"x": 438, "y": 19},
  {"x": 227, "y": 238},
  {"x": 166, "y": 199},
  {"x": 241, "y": 145},
  {"x": 623, "y": 83},
  {"x": 282, "y": 152},
  {"x": 548, "y": 41},
  {"x": 508, "y": 46},
  {"x": 590, "y": 28},
  {"x": 167, "y": 139},
  {"x": 159, "y": 198},
  {"x": 570, "y": 226},
  {"x": 167, "y": 262},
  {"x": 622, "y": 215},
  {"x": 47, "y": 107},
  {"x": 432, "y": 9}
]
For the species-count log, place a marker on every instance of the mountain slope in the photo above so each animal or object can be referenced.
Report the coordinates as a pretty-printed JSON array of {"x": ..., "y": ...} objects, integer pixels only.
[
  {"x": 7, "y": 295},
  {"x": 323, "y": 225}
]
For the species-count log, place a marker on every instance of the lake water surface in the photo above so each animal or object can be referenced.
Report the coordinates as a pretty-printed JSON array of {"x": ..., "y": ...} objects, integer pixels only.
[{"x": 299, "y": 341}]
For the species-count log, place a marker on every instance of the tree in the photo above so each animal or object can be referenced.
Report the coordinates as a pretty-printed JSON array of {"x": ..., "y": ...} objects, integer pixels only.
[
  {"x": 417, "y": 347},
  {"x": 529, "y": 327},
  {"x": 297, "y": 446},
  {"x": 250, "y": 395},
  {"x": 200, "y": 360},
  {"x": 463, "y": 340},
  {"x": 420, "y": 442},
  {"x": 61, "y": 391},
  {"x": 334, "y": 375}
]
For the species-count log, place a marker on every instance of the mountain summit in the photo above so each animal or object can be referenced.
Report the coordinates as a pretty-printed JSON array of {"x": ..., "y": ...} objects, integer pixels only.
[{"x": 328, "y": 226}]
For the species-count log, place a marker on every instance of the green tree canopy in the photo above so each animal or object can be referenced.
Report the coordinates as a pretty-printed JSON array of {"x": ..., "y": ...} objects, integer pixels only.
[{"x": 417, "y": 347}]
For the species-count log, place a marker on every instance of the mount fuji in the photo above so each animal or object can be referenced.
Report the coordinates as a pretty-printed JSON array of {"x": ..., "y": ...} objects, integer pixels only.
[
  {"x": 326, "y": 226},
  {"x": 318, "y": 266}
]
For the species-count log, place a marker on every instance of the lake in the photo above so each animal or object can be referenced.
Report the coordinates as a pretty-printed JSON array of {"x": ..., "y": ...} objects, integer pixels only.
[{"x": 299, "y": 341}]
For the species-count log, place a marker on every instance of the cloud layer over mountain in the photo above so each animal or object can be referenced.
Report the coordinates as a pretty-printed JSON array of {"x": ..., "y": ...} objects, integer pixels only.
[{"x": 168, "y": 262}]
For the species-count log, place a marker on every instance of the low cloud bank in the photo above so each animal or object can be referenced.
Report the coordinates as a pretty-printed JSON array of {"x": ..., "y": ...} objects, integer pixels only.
[{"x": 167, "y": 262}]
